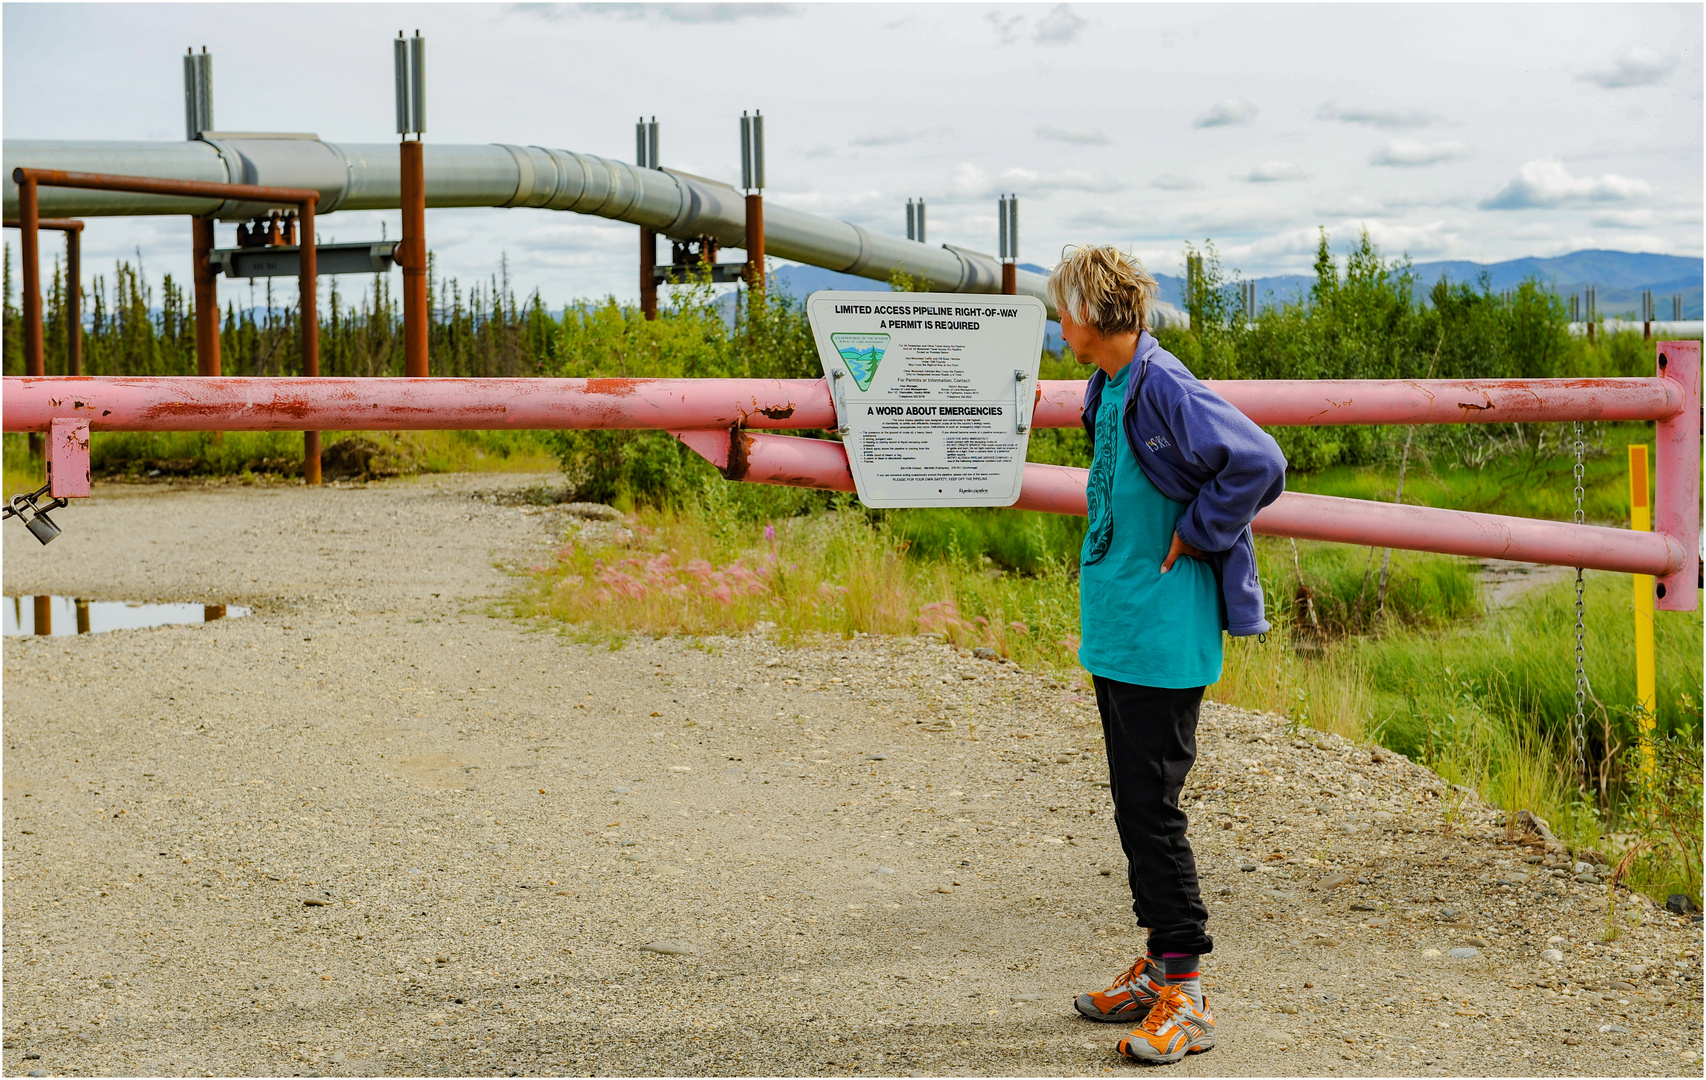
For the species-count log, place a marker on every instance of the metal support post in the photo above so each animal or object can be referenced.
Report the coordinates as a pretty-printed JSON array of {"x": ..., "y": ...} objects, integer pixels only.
[
  {"x": 752, "y": 181},
  {"x": 74, "y": 298},
  {"x": 1676, "y": 475},
  {"x": 73, "y": 230},
  {"x": 1007, "y": 209},
  {"x": 409, "y": 69},
  {"x": 755, "y": 246},
  {"x": 308, "y": 286},
  {"x": 412, "y": 257},
  {"x": 646, "y": 157},
  {"x": 29, "y": 251},
  {"x": 206, "y": 297},
  {"x": 648, "y": 273},
  {"x": 1640, "y": 520}
]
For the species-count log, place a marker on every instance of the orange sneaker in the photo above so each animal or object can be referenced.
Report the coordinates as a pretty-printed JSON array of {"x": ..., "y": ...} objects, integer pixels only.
[
  {"x": 1131, "y": 997},
  {"x": 1174, "y": 1027}
]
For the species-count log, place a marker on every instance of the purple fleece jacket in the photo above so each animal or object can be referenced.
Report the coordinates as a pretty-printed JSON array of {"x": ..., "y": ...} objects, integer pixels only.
[{"x": 1199, "y": 450}]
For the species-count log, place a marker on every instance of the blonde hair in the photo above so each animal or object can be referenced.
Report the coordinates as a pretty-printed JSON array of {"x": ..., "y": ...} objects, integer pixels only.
[{"x": 1101, "y": 287}]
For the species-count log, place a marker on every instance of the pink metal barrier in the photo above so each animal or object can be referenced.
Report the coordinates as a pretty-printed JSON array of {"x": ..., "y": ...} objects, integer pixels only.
[
  {"x": 284, "y": 404},
  {"x": 724, "y": 420}
]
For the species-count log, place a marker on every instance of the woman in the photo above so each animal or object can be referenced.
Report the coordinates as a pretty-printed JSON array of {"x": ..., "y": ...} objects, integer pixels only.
[{"x": 1167, "y": 565}]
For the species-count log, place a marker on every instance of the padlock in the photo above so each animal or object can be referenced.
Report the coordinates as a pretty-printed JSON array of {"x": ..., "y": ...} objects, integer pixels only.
[
  {"x": 40, "y": 525},
  {"x": 42, "y": 528}
]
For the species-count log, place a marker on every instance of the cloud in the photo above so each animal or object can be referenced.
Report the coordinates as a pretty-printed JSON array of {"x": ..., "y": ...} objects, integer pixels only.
[
  {"x": 1061, "y": 26},
  {"x": 1382, "y": 118},
  {"x": 1432, "y": 238},
  {"x": 1623, "y": 219},
  {"x": 1352, "y": 206},
  {"x": 1225, "y": 112},
  {"x": 1111, "y": 218},
  {"x": 1173, "y": 182},
  {"x": 1409, "y": 153},
  {"x": 1023, "y": 180},
  {"x": 1248, "y": 214},
  {"x": 888, "y": 137},
  {"x": 971, "y": 182},
  {"x": 681, "y": 13},
  {"x": 1274, "y": 172},
  {"x": 1633, "y": 66},
  {"x": 1546, "y": 182},
  {"x": 1082, "y": 136},
  {"x": 1243, "y": 213},
  {"x": 1006, "y": 26}
]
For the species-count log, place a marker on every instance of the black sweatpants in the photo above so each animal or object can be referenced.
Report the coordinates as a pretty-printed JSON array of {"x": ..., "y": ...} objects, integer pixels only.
[{"x": 1151, "y": 736}]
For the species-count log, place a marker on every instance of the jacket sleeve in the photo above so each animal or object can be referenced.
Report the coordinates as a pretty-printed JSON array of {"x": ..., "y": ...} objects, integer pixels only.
[{"x": 1246, "y": 467}]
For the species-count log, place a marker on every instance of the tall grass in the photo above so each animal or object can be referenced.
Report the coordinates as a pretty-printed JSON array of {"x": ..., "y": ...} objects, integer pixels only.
[
  {"x": 714, "y": 567},
  {"x": 139, "y": 455},
  {"x": 1489, "y": 702}
]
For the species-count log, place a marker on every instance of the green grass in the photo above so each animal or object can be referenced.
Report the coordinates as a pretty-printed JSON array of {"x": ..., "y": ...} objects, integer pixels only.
[
  {"x": 1343, "y": 583},
  {"x": 133, "y": 454},
  {"x": 709, "y": 568},
  {"x": 1022, "y": 540},
  {"x": 1524, "y": 480},
  {"x": 1488, "y": 701}
]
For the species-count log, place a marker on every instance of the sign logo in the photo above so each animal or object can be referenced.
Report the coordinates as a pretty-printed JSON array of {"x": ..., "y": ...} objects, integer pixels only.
[{"x": 861, "y": 353}]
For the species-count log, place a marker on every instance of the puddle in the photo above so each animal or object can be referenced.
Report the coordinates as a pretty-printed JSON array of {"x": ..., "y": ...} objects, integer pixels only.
[{"x": 64, "y": 615}]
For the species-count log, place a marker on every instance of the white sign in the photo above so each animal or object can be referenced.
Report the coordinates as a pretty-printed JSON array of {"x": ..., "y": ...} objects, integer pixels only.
[{"x": 933, "y": 392}]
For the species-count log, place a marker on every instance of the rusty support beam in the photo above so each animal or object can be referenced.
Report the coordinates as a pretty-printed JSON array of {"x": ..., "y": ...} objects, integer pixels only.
[
  {"x": 30, "y": 180},
  {"x": 755, "y": 246},
  {"x": 206, "y": 297},
  {"x": 412, "y": 257},
  {"x": 30, "y": 254},
  {"x": 73, "y": 230},
  {"x": 308, "y": 285},
  {"x": 150, "y": 185},
  {"x": 1009, "y": 279},
  {"x": 44, "y": 615},
  {"x": 73, "y": 298},
  {"x": 648, "y": 273}
]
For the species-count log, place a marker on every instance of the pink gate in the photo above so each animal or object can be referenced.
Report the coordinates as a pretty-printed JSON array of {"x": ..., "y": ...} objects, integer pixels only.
[{"x": 728, "y": 422}]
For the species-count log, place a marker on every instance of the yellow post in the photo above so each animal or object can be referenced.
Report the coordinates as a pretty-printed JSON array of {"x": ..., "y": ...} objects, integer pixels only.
[{"x": 1641, "y": 520}]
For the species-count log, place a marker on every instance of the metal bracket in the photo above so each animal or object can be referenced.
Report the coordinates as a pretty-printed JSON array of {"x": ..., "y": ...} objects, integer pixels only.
[
  {"x": 838, "y": 397},
  {"x": 68, "y": 458},
  {"x": 1022, "y": 402}
]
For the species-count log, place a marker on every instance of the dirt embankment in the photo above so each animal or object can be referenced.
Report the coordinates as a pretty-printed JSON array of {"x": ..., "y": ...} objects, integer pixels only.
[{"x": 376, "y": 827}]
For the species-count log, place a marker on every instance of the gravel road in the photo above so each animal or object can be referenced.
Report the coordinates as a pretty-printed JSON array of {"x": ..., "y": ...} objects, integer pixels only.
[{"x": 379, "y": 827}]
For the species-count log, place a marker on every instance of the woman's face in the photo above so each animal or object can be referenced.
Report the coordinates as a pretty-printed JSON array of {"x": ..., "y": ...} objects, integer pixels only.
[{"x": 1080, "y": 338}]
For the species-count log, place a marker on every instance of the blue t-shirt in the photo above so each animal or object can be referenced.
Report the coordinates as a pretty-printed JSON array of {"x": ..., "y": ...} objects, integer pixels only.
[{"x": 1139, "y": 625}]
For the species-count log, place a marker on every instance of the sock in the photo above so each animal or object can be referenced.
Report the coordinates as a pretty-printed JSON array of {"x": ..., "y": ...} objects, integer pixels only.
[{"x": 1182, "y": 971}]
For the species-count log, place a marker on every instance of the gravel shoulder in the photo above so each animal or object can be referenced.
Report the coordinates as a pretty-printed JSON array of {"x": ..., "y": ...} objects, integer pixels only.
[{"x": 379, "y": 827}]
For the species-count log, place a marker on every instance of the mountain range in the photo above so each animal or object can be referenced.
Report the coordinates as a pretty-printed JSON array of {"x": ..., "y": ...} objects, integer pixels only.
[{"x": 1619, "y": 277}]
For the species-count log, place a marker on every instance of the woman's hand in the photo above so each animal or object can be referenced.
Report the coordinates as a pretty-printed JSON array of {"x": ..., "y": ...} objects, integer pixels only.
[{"x": 1176, "y": 549}]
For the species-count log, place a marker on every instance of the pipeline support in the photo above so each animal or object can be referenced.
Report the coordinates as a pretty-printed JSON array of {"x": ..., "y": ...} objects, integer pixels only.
[
  {"x": 755, "y": 247},
  {"x": 412, "y": 257},
  {"x": 206, "y": 297}
]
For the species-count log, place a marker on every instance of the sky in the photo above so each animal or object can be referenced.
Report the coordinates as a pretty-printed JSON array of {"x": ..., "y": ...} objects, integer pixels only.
[{"x": 1464, "y": 131}]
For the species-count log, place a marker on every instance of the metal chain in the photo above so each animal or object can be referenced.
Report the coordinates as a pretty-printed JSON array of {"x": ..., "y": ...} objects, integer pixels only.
[{"x": 1581, "y": 674}]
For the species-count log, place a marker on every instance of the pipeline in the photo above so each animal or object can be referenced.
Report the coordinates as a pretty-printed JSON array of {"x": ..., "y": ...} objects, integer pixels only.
[{"x": 365, "y": 176}]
